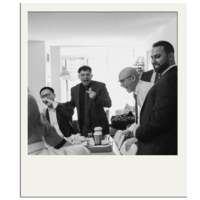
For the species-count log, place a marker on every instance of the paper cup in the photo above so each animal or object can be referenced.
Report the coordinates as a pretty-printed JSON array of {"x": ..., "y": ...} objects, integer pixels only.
[{"x": 97, "y": 138}]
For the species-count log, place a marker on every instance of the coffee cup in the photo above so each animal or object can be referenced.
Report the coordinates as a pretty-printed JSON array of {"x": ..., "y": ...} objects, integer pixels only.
[{"x": 97, "y": 137}]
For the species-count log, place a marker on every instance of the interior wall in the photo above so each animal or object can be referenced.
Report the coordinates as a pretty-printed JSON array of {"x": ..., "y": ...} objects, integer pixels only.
[
  {"x": 36, "y": 68},
  {"x": 55, "y": 71},
  {"x": 111, "y": 61},
  {"x": 168, "y": 32}
]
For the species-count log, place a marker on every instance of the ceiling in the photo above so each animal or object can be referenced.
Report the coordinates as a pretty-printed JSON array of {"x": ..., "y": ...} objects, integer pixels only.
[{"x": 95, "y": 28}]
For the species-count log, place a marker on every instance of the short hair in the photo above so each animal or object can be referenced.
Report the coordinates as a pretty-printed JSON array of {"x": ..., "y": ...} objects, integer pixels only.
[
  {"x": 49, "y": 88},
  {"x": 168, "y": 48},
  {"x": 84, "y": 68}
]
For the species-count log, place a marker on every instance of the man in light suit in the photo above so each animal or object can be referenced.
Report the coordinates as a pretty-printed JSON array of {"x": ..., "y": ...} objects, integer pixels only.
[
  {"x": 157, "y": 132},
  {"x": 59, "y": 115},
  {"x": 90, "y": 98}
]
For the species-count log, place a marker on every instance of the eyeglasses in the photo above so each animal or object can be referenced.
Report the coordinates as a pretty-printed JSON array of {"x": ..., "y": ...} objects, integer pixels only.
[
  {"x": 46, "y": 95},
  {"x": 123, "y": 80}
]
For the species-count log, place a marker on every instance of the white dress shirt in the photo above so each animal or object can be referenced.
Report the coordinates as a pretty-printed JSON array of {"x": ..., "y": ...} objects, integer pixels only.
[
  {"x": 141, "y": 91},
  {"x": 153, "y": 77},
  {"x": 53, "y": 119}
]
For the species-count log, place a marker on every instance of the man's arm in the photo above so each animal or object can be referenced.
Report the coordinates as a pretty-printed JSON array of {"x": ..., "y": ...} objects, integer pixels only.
[
  {"x": 164, "y": 112},
  {"x": 65, "y": 109},
  {"x": 103, "y": 97}
]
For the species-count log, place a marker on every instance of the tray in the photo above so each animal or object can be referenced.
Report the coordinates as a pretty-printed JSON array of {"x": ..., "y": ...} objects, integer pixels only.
[{"x": 100, "y": 148}]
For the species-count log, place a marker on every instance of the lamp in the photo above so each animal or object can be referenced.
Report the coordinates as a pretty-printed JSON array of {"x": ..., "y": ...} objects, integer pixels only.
[
  {"x": 139, "y": 65},
  {"x": 65, "y": 75},
  {"x": 139, "y": 61}
]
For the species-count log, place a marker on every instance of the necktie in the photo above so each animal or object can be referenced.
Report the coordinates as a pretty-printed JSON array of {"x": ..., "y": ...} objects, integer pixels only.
[
  {"x": 87, "y": 123},
  {"x": 157, "y": 77},
  {"x": 136, "y": 109}
]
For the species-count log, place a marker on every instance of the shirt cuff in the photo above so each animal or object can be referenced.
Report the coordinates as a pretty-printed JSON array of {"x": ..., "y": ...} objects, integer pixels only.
[{"x": 58, "y": 146}]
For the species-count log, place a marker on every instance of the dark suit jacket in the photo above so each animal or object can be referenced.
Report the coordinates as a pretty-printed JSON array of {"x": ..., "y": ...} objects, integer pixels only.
[
  {"x": 157, "y": 133},
  {"x": 95, "y": 106},
  {"x": 146, "y": 76},
  {"x": 64, "y": 112}
]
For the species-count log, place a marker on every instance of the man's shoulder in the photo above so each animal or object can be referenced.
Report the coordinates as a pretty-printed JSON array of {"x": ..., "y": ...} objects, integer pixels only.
[
  {"x": 97, "y": 83},
  {"x": 148, "y": 72},
  {"x": 76, "y": 86}
]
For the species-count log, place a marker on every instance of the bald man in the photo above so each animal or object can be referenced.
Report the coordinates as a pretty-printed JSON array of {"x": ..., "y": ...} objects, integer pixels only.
[
  {"x": 130, "y": 80},
  {"x": 39, "y": 128}
]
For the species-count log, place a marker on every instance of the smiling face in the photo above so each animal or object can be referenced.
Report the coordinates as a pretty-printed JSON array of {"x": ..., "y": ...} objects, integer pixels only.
[
  {"x": 160, "y": 59},
  {"x": 46, "y": 93},
  {"x": 85, "y": 77}
]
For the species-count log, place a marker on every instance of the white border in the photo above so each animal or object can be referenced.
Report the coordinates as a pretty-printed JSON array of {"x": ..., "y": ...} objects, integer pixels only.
[{"x": 125, "y": 176}]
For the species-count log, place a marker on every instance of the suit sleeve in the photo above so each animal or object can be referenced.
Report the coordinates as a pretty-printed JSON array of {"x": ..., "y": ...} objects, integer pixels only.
[
  {"x": 65, "y": 109},
  {"x": 72, "y": 101},
  {"x": 103, "y": 97},
  {"x": 164, "y": 114}
]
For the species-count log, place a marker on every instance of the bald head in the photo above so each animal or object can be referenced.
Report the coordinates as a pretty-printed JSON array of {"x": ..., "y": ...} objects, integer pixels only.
[
  {"x": 127, "y": 72},
  {"x": 129, "y": 78}
]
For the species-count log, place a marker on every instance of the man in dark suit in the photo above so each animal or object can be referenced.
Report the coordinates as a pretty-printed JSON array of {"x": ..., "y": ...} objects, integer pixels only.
[
  {"x": 58, "y": 114},
  {"x": 157, "y": 132},
  {"x": 90, "y": 98}
]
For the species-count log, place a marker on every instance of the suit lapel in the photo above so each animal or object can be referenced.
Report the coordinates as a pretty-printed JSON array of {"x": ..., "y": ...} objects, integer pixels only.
[{"x": 58, "y": 118}]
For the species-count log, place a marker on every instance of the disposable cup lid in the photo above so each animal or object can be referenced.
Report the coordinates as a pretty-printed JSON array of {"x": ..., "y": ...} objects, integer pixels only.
[
  {"x": 98, "y": 128},
  {"x": 98, "y": 133}
]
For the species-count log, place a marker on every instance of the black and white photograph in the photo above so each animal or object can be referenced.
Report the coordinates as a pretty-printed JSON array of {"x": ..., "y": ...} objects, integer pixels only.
[{"x": 100, "y": 95}]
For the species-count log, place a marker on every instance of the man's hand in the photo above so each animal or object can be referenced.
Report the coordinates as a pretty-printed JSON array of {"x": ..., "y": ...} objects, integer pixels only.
[
  {"x": 91, "y": 93},
  {"x": 129, "y": 142},
  {"x": 125, "y": 133},
  {"x": 48, "y": 100}
]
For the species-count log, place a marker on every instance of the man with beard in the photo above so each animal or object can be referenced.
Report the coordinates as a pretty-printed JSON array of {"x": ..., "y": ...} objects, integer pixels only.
[
  {"x": 157, "y": 132},
  {"x": 58, "y": 114},
  {"x": 90, "y": 98}
]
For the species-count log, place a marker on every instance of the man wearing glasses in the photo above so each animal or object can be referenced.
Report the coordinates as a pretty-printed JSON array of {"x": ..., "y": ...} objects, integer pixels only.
[
  {"x": 58, "y": 114},
  {"x": 157, "y": 132},
  {"x": 39, "y": 129},
  {"x": 130, "y": 80},
  {"x": 90, "y": 98}
]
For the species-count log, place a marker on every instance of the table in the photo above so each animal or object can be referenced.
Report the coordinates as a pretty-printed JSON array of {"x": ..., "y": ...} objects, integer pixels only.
[{"x": 115, "y": 150}]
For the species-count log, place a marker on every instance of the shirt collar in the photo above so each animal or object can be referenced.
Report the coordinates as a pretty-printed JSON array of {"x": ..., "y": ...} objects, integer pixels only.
[
  {"x": 137, "y": 88},
  {"x": 168, "y": 69},
  {"x": 88, "y": 86},
  {"x": 36, "y": 147}
]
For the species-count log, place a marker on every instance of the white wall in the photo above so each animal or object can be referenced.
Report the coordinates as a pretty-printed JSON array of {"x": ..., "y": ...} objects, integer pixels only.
[
  {"x": 118, "y": 59},
  {"x": 168, "y": 32},
  {"x": 36, "y": 68},
  {"x": 55, "y": 71}
]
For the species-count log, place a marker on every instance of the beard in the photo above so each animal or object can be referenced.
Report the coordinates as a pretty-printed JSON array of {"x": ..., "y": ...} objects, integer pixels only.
[{"x": 162, "y": 67}]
